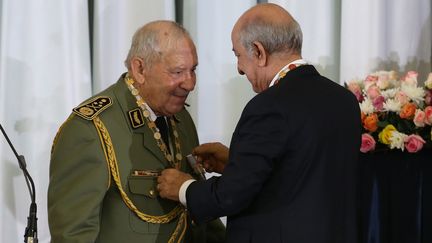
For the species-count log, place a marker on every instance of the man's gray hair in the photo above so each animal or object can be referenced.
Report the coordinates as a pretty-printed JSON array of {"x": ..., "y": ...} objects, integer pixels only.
[
  {"x": 274, "y": 36},
  {"x": 150, "y": 41}
]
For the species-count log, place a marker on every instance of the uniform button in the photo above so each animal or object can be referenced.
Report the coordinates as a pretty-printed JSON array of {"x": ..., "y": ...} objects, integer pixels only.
[{"x": 152, "y": 193}]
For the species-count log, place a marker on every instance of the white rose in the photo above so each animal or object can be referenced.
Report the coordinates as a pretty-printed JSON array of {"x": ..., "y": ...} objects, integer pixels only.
[{"x": 397, "y": 140}]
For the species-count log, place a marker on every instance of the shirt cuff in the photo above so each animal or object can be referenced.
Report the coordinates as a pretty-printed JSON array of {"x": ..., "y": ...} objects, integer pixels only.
[{"x": 182, "y": 191}]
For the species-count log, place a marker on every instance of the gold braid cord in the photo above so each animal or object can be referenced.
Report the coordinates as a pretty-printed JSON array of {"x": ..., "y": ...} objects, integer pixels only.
[
  {"x": 58, "y": 133},
  {"x": 182, "y": 223},
  {"x": 112, "y": 161}
]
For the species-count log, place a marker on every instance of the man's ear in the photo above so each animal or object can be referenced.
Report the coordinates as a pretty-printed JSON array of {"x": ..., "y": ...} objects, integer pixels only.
[
  {"x": 138, "y": 70},
  {"x": 260, "y": 53}
]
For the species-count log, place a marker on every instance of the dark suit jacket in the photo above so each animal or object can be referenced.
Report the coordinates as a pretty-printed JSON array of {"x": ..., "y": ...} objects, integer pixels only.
[{"x": 292, "y": 165}]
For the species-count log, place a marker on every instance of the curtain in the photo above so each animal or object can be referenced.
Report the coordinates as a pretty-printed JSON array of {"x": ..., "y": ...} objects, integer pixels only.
[
  {"x": 391, "y": 35},
  {"x": 114, "y": 24},
  {"x": 45, "y": 71},
  {"x": 220, "y": 93},
  {"x": 349, "y": 39},
  {"x": 320, "y": 23},
  {"x": 56, "y": 53}
]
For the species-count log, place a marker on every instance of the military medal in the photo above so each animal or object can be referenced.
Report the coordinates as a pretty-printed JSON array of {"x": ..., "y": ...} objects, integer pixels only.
[{"x": 156, "y": 134}]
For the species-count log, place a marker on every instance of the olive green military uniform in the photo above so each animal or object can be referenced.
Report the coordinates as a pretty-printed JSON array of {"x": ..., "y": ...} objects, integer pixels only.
[{"x": 103, "y": 177}]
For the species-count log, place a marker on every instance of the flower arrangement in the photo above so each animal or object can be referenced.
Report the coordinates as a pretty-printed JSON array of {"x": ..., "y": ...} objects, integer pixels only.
[{"x": 396, "y": 113}]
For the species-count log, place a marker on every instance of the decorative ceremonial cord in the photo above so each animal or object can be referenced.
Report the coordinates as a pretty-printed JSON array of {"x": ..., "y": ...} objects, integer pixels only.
[
  {"x": 174, "y": 162},
  {"x": 286, "y": 69},
  {"x": 178, "y": 211}
]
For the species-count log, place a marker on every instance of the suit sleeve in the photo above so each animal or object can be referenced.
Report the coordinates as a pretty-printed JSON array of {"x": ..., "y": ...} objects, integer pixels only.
[
  {"x": 256, "y": 144},
  {"x": 79, "y": 178}
]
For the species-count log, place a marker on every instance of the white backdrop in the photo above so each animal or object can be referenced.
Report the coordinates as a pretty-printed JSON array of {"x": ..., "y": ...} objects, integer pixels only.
[
  {"x": 45, "y": 67},
  {"x": 114, "y": 24},
  {"x": 221, "y": 92},
  {"x": 349, "y": 39},
  {"x": 44, "y": 71}
]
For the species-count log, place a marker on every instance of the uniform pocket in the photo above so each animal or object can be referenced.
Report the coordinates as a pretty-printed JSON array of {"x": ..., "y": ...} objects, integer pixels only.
[
  {"x": 144, "y": 195},
  {"x": 143, "y": 184}
]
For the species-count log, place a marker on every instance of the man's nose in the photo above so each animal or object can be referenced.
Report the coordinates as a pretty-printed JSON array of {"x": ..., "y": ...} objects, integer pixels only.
[
  {"x": 240, "y": 71},
  {"x": 189, "y": 82}
]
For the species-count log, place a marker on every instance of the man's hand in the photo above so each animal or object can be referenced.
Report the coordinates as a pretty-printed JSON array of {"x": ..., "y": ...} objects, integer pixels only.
[
  {"x": 212, "y": 156},
  {"x": 169, "y": 183}
]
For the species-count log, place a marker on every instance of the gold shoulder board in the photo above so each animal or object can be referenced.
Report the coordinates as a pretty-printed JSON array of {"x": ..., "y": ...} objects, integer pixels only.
[{"x": 91, "y": 108}]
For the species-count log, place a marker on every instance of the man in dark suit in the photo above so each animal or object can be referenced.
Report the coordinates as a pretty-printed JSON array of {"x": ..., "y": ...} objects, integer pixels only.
[{"x": 289, "y": 175}]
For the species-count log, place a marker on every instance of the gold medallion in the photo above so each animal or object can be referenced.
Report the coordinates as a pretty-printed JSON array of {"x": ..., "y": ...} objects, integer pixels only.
[
  {"x": 157, "y": 135},
  {"x": 146, "y": 113},
  {"x": 140, "y": 102},
  {"x": 152, "y": 126},
  {"x": 129, "y": 81}
]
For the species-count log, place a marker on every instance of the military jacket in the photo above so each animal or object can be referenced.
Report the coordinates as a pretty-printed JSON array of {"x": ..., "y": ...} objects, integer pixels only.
[{"x": 86, "y": 203}]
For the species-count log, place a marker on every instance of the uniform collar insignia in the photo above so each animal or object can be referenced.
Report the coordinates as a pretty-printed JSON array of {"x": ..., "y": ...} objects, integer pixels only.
[{"x": 136, "y": 118}]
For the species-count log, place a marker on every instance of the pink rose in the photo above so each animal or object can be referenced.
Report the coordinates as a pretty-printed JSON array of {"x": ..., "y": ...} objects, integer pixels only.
[
  {"x": 428, "y": 115},
  {"x": 373, "y": 92},
  {"x": 428, "y": 97},
  {"x": 414, "y": 143},
  {"x": 383, "y": 80},
  {"x": 393, "y": 75},
  {"x": 402, "y": 97},
  {"x": 378, "y": 103},
  {"x": 368, "y": 143},
  {"x": 356, "y": 90},
  {"x": 410, "y": 78},
  {"x": 419, "y": 118},
  {"x": 370, "y": 80}
]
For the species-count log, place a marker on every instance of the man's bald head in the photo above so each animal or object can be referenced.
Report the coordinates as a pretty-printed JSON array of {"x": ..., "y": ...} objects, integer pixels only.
[
  {"x": 153, "y": 39},
  {"x": 272, "y": 26}
]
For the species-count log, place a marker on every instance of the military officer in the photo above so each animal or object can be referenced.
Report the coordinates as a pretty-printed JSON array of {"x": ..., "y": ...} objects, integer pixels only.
[{"x": 108, "y": 154}]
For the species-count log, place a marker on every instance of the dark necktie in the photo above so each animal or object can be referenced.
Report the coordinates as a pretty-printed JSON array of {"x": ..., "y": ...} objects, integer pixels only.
[{"x": 163, "y": 129}]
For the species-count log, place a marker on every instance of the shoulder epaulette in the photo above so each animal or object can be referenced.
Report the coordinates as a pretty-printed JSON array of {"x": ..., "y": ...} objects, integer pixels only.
[{"x": 91, "y": 108}]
